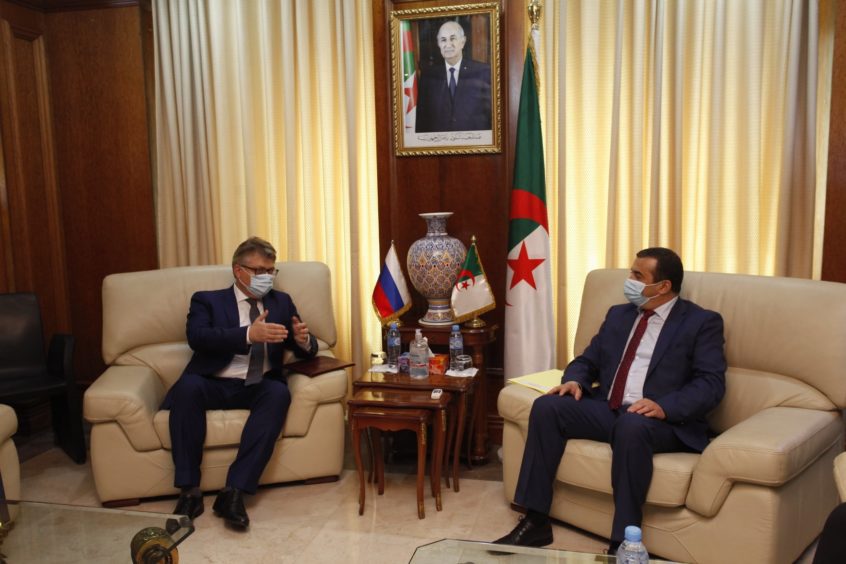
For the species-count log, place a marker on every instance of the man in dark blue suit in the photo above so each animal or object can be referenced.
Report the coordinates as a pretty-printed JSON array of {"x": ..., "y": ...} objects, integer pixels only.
[
  {"x": 644, "y": 384},
  {"x": 455, "y": 95},
  {"x": 238, "y": 335}
]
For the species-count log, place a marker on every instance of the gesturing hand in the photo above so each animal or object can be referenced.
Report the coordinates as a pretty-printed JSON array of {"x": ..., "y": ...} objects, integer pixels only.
[
  {"x": 262, "y": 332},
  {"x": 571, "y": 388},
  {"x": 301, "y": 332}
]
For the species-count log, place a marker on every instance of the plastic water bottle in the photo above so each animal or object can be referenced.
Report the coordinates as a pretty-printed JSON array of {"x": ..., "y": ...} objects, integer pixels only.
[
  {"x": 456, "y": 347},
  {"x": 631, "y": 550},
  {"x": 419, "y": 361},
  {"x": 393, "y": 345}
]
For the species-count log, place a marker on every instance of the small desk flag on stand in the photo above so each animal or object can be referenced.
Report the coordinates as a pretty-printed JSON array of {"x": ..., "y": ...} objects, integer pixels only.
[
  {"x": 471, "y": 294},
  {"x": 391, "y": 297}
]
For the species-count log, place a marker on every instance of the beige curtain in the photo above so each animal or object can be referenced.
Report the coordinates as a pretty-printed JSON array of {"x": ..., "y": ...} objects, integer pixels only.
[
  {"x": 265, "y": 126},
  {"x": 698, "y": 125}
]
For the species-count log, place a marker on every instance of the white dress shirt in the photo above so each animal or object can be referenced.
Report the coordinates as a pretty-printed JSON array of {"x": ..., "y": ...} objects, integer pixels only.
[
  {"x": 643, "y": 356},
  {"x": 241, "y": 362},
  {"x": 456, "y": 66}
]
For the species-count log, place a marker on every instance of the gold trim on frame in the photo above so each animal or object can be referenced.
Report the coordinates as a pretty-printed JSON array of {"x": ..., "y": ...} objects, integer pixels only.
[{"x": 495, "y": 146}]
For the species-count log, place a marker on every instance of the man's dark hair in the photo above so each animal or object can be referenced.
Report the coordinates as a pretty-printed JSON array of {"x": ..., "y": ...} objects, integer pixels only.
[
  {"x": 668, "y": 266},
  {"x": 254, "y": 245}
]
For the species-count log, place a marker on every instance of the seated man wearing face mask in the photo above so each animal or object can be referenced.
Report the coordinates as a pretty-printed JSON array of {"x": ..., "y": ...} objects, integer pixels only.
[
  {"x": 644, "y": 384},
  {"x": 238, "y": 335}
]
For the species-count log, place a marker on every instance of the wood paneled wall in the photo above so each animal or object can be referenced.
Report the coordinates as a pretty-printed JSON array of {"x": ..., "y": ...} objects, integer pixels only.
[
  {"x": 32, "y": 248},
  {"x": 103, "y": 159},
  {"x": 77, "y": 194},
  {"x": 475, "y": 187},
  {"x": 834, "y": 241}
]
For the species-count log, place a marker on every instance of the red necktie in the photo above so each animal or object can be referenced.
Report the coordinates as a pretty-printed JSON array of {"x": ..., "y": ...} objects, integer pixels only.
[{"x": 616, "y": 399}]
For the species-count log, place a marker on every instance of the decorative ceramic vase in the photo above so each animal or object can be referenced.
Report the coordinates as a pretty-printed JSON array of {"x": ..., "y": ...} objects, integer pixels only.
[{"x": 433, "y": 265}]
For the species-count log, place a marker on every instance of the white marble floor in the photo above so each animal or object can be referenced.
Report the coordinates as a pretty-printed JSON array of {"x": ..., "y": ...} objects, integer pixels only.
[
  {"x": 315, "y": 523},
  {"x": 319, "y": 523}
]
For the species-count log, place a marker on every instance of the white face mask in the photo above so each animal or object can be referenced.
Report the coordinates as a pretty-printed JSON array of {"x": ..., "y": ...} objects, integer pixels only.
[
  {"x": 260, "y": 284},
  {"x": 633, "y": 290}
]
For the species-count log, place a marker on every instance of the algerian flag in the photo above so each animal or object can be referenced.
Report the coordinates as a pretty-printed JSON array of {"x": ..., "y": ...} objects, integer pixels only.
[
  {"x": 471, "y": 294},
  {"x": 409, "y": 76},
  {"x": 529, "y": 330}
]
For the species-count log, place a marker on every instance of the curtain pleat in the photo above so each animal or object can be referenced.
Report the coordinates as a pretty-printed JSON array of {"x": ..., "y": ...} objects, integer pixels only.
[
  {"x": 687, "y": 124},
  {"x": 266, "y": 127}
]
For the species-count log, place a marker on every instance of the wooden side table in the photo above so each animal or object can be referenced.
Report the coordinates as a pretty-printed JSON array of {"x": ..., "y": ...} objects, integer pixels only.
[
  {"x": 459, "y": 387},
  {"x": 476, "y": 340},
  {"x": 395, "y": 410}
]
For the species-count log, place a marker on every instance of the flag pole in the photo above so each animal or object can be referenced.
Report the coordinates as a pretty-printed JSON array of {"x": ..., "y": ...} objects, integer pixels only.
[
  {"x": 475, "y": 322},
  {"x": 535, "y": 8}
]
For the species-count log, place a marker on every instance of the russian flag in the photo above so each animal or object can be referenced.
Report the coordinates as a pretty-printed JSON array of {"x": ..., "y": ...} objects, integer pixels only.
[{"x": 390, "y": 296}]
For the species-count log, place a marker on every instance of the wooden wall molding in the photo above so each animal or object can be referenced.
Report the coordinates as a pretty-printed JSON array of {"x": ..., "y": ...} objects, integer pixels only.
[
  {"x": 33, "y": 253},
  {"x": 45, "y": 6},
  {"x": 834, "y": 238}
]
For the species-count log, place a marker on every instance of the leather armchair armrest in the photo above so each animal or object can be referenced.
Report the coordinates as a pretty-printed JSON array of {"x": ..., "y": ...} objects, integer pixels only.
[
  {"x": 515, "y": 404},
  {"x": 8, "y": 423},
  {"x": 130, "y": 395},
  {"x": 770, "y": 448},
  {"x": 840, "y": 475},
  {"x": 307, "y": 394}
]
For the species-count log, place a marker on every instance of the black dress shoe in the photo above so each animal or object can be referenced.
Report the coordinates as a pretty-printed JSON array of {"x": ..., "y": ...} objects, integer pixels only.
[
  {"x": 529, "y": 533},
  {"x": 230, "y": 506},
  {"x": 190, "y": 505}
]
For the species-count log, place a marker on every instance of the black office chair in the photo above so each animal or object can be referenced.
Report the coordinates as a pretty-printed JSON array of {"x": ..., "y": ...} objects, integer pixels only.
[{"x": 25, "y": 373}]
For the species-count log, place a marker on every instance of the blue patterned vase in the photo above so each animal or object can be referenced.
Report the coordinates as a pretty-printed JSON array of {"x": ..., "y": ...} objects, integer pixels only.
[{"x": 433, "y": 265}]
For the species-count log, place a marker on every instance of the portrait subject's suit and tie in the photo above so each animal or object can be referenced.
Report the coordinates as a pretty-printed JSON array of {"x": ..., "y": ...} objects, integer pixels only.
[{"x": 468, "y": 110}]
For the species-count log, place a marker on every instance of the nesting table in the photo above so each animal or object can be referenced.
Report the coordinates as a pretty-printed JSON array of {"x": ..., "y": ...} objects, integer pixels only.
[
  {"x": 459, "y": 387},
  {"x": 395, "y": 410}
]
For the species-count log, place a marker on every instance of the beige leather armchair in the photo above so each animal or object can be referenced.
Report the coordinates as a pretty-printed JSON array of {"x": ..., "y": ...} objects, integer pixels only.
[
  {"x": 840, "y": 475},
  {"x": 763, "y": 488},
  {"x": 10, "y": 467},
  {"x": 145, "y": 346}
]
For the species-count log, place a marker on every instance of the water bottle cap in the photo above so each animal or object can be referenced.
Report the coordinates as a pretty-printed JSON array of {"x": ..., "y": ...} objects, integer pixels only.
[
  {"x": 393, "y": 324},
  {"x": 633, "y": 534},
  {"x": 455, "y": 328}
]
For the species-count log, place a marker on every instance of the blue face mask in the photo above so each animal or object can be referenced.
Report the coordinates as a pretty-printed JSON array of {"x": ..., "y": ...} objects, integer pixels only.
[
  {"x": 633, "y": 290},
  {"x": 260, "y": 284}
]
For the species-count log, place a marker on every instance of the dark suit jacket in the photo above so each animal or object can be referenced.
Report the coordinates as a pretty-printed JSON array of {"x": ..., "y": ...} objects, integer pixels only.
[
  {"x": 470, "y": 110},
  {"x": 686, "y": 375},
  {"x": 216, "y": 337}
]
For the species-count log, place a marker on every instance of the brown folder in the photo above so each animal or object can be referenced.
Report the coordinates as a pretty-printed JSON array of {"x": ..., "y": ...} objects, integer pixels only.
[{"x": 318, "y": 365}]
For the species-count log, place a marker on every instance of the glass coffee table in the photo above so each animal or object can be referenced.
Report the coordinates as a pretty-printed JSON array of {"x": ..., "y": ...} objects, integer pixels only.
[
  {"x": 49, "y": 532},
  {"x": 452, "y": 551}
]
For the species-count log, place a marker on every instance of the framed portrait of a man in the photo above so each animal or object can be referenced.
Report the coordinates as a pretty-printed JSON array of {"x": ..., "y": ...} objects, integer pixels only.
[{"x": 446, "y": 80}]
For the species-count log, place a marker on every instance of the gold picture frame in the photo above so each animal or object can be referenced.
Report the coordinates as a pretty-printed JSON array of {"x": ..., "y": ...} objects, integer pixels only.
[{"x": 446, "y": 80}]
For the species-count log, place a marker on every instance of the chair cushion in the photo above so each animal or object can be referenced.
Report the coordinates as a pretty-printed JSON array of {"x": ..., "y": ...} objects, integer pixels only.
[
  {"x": 224, "y": 427},
  {"x": 587, "y": 464}
]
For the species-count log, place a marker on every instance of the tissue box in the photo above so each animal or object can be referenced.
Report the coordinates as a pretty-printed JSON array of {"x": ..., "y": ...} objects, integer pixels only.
[{"x": 438, "y": 363}]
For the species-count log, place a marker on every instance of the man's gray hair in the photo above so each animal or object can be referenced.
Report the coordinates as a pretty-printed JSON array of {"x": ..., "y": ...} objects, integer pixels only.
[{"x": 254, "y": 245}]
